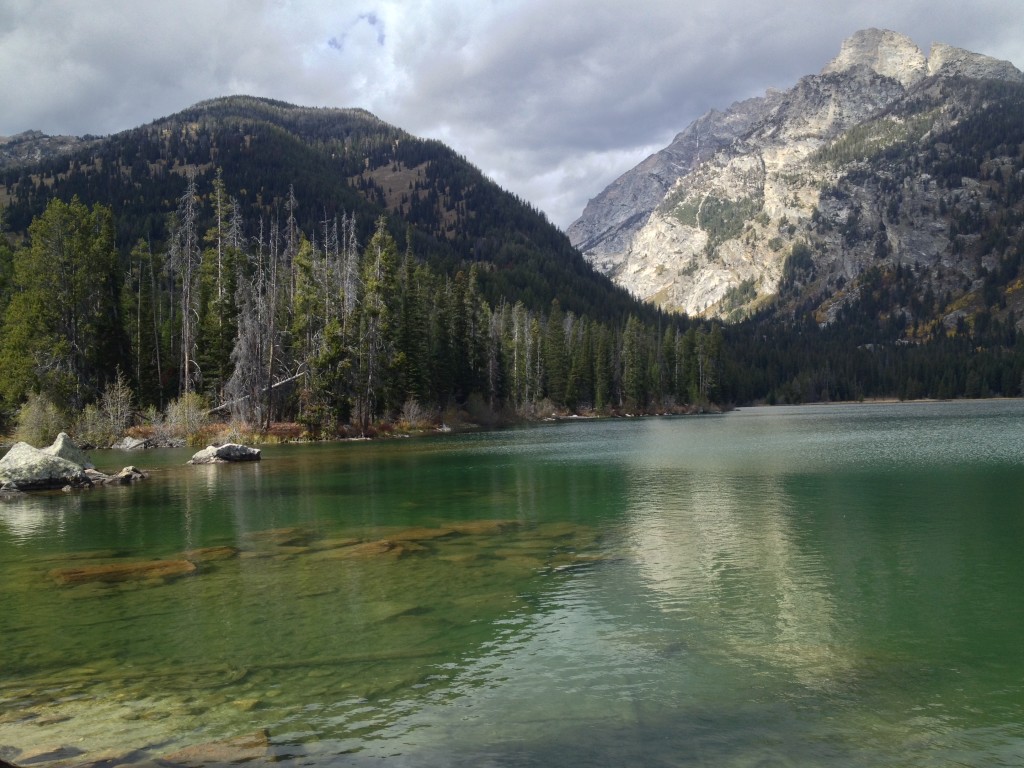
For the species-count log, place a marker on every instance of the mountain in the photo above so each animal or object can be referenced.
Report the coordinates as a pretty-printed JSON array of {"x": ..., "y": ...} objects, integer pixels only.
[
  {"x": 888, "y": 163},
  {"x": 336, "y": 161},
  {"x": 317, "y": 266}
]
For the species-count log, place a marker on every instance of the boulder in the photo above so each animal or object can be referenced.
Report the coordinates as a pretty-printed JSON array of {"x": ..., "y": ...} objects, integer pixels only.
[
  {"x": 221, "y": 454},
  {"x": 65, "y": 448},
  {"x": 131, "y": 444},
  {"x": 30, "y": 469},
  {"x": 126, "y": 476}
]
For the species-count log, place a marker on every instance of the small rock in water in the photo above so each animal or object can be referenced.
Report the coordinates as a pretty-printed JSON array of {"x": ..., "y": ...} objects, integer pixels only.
[
  {"x": 131, "y": 444},
  {"x": 221, "y": 454}
]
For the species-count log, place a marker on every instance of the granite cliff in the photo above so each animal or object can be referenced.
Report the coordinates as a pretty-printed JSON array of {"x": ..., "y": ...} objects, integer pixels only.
[{"x": 887, "y": 158}]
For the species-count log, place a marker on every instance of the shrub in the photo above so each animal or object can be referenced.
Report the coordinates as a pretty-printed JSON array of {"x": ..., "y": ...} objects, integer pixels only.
[
  {"x": 39, "y": 421},
  {"x": 92, "y": 429},
  {"x": 414, "y": 415},
  {"x": 116, "y": 405},
  {"x": 187, "y": 416}
]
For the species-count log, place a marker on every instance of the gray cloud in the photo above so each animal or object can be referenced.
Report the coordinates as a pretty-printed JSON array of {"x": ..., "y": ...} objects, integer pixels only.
[{"x": 551, "y": 99}]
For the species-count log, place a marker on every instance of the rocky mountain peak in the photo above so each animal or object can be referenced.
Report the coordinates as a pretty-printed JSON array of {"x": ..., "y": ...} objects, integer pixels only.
[
  {"x": 951, "y": 61},
  {"x": 859, "y": 166},
  {"x": 883, "y": 51}
]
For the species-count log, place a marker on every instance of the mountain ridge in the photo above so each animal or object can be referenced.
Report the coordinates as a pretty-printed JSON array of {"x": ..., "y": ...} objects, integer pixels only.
[
  {"x": 337, "y": 159},
  {"x": 717, "y": 242}
]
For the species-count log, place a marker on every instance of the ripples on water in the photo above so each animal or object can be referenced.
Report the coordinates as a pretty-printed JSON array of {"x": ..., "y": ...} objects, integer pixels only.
[{"x": 790, "y": 586}]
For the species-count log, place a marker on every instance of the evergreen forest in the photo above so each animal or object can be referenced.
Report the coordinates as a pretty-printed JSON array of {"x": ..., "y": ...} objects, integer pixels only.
[{"x": 266, "y": 264}]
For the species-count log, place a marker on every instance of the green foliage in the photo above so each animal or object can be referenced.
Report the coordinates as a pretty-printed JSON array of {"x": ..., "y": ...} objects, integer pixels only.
[
  {"x": 102, "y": 424},
  {"x": 61, "y": 327},
  {"x": 738, "y": 296},
  {"x": 798, "y": 266},
  {"x": 39, "y": 421},
  {"x": 867, "y": 140},
  {"x": 723, "y": 219},
  {"x": 341, "y": 161}
]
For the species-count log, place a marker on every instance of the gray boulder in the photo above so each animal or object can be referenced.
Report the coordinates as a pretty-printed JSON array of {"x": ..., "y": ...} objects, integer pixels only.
[
  {"x": 131, "y": 444},
  {"x": 65, "y": 448},
  {"x": 222, "y": 454},
  {"x": 126, "y": 476},
  {"x": 31, "y": 469}
]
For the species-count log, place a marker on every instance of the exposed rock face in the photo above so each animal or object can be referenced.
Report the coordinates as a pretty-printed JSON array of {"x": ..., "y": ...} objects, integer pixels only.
[
  {"x": 61, "y": 465},
  {"x": 740, "y": 190},
  {"x": 32, "y": 469},
  {"x": 610, "y": 220},
  {"x": 888, "y": 53},
  {"x": 66, "y": 449},
  {"x": 949, "y": 61},
  {"x": 33, "y": 146},
  {"x": 222, "y": 454}
]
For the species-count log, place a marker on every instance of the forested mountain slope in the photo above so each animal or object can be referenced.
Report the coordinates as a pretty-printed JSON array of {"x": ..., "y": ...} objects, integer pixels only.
[
  {"x": 335, "y": 161},
  {"x": 317, "y": 265}
]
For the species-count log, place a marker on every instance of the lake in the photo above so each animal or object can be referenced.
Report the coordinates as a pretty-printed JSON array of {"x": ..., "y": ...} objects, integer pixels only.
[{"x": 837, "y": 585}]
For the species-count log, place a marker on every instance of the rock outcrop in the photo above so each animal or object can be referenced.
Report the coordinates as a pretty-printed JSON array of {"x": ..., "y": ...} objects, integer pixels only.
[
  {"x": 126, "y": 476},
  {"x": 610, "y": 220},
  {"x": 32, "y": 469},
  {"x": 65, "y": 448},
  {"x": 887, "y": 53},
  {"x": 946, "y": 60},
  {"x": 61, "y": 465},
  {"x": 223, "y": 454}
]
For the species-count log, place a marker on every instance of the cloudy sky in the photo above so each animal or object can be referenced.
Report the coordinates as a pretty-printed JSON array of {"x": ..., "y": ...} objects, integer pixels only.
[{"x": 553, "y": 99}]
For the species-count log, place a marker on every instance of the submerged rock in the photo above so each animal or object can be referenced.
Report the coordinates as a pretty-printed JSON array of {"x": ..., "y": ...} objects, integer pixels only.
[
  {"x": 241, "y": 749},
  {"x": 485, "y": 527},
  {"x": 30, "y": 469},
  {"x": 112, "y": 573},
  {"x": 220, "y": 454},
  {"x": 208, "y": 554},
  {"x": 49, "y": 754}
]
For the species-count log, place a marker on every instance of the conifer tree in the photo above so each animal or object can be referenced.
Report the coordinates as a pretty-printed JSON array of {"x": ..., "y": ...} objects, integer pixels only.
[
  {"x": 62, "y": 334},
  {"x": 376, "y": 339}
]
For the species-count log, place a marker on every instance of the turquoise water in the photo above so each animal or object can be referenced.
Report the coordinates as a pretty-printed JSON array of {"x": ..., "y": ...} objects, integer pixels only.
[{"x": 836, "y": 585}]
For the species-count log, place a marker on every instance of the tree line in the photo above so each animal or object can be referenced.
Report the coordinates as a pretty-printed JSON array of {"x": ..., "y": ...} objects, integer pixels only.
[{"x": 269, "y": 321}]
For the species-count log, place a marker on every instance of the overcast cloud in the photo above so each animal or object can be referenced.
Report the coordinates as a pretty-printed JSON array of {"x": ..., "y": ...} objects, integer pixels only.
[{"x": 553, "y": 99}]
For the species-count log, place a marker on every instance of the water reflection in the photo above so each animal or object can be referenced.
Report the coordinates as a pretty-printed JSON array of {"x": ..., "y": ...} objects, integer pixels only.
[
  {"x": 724, "y": 558},
  {"x": 24, "y": 519}
]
